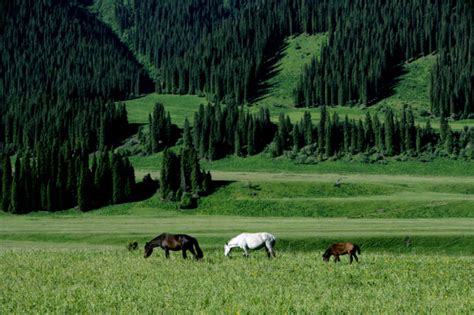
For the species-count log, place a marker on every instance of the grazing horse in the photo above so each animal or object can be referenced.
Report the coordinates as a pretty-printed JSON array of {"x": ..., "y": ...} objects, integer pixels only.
[
  {"x": 174, "y": 242},
  {"x": 342, "y": 249},
  {"x": 248, "y": 241}
]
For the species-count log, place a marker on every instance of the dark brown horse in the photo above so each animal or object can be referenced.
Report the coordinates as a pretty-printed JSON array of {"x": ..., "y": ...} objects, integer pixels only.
[
  {"x": 174, "y": 242},
  {"x": 342, "y": 249}
]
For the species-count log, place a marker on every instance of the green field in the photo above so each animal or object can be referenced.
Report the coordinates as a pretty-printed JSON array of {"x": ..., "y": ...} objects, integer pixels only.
[
  {"x": 115, "y": 281},
  {"x": 73, "y": 262}
]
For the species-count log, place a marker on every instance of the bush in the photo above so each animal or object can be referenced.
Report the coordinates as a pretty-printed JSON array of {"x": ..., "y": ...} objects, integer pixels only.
[
  {"x": 132, "y": 245},
  {"x": 188, "y": 201}
]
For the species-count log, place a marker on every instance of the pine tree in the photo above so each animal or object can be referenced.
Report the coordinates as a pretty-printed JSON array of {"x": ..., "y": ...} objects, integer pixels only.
[
  {"x": 207, "y": 182},
  {"x": 6, "y": 182},
  {"x": 307, "y": 128},
  {"x": 187, "y": 139},
  {"x": 83, "y": 190},
  {"x": 118, "y": 180},
  {"x": 346, "y": 135},
  {"x": 15, "y": 203},
  {"x": 322, "y": 128},
  {"x": 389, "y": 132},
  {"x": 443, "y": 127},
  {"x": 418, "y": 143},
  {"x": 251, "y": 137}
]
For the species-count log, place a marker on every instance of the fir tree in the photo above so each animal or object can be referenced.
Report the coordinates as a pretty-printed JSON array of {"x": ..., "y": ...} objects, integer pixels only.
[{"x": 6, "y": 182}]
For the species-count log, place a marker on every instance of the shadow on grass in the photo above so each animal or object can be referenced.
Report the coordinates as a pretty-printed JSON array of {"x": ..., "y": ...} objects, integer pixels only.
[{"x": 273, "y": 53}]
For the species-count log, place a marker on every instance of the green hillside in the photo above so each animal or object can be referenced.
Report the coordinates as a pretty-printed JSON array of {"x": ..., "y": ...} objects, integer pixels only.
[
  {"x": 298, "y": 52},
  {"x": 413, "y": 86}
]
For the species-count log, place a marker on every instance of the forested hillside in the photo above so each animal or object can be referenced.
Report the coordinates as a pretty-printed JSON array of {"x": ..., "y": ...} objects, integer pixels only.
[
  {"x": 227, "y": 49},
  {"x": 363, "y": 55},
  {"x": 61, "y": 71},
  {"x": 221, "y": 48},
  {"x": 60, "y": 66}
]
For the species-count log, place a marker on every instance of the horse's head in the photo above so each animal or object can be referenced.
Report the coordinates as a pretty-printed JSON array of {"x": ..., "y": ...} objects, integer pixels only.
[
  {"x": 148, "y": 250},
  {"x": 326, "y": 256},
  {"x": 227, "y": 249}
]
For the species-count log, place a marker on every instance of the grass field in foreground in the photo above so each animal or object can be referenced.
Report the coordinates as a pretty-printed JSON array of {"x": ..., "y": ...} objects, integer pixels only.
[{"x": 116, "y": 281}]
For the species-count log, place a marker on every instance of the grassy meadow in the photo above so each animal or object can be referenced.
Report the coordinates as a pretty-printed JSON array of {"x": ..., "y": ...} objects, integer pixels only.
[
  {"x": 116, "y": 281},
  {"x": 70, "y": 262},
  {"x": 417, "y": 254}
]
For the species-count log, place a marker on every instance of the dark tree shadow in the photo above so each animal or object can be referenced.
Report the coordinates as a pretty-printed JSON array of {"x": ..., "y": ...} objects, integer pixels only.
[
  {"x": 388, "y": 84},
  {"x": 216, "y": 185},
  {"x": 273, "y": 53}
]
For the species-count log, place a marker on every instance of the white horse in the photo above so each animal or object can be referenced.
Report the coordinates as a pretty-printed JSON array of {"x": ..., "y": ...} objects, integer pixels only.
[{"x": 248, "y": 241}]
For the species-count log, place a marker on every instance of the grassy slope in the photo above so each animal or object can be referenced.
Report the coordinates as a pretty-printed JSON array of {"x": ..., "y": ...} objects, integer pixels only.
[
  {"x": 298, "y": 52},
  {"x": 413, "y": 86},
  {"x": 179, "y": 106}
]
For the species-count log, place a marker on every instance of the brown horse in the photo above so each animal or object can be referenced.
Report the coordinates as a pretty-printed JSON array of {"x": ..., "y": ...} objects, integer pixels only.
[
  {"x": 174, "y": 242},
  {"x": 342, "y": 249}
]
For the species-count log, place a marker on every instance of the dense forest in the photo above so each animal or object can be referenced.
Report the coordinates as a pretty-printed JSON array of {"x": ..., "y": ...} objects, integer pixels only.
[
  {"x": 226, "y": 49},
  {"x": 61, "y": 71},
  {"x": 64, "y": 72},
  {"x": 220, "y": 48}
]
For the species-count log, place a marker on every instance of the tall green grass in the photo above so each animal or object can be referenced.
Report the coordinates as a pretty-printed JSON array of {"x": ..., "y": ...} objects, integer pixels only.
[{"x": 116, "y": 281}]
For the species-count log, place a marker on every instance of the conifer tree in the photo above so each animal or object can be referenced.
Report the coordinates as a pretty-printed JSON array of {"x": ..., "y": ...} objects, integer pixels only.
[
  {"x": 6, "y": 182},
  {"x": 187, "y": 139},
  {"x": 15, "y": 203},
  {"x": 389, "y": 132}
]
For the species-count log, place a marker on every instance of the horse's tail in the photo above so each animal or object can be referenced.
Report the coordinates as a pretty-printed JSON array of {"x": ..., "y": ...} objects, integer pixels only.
[
  {"x": 198, "y": 249},
  {"x": 357, "y": 248}
]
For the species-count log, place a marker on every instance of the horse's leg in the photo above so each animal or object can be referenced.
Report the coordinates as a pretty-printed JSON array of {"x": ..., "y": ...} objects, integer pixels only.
[
  {"x": 336, "y": 258},
  {"x": 355, "y": 256},
  {"x": 269, "y": 247},
  {"x": 268, "y": 251},
  {"x": 184, "y": 253},
  {"x": 167, "y": 253},
  {"x": 246, "y": 251},
  {"x": 191, "y": 249},
  {"x": 351, "y": 258}
]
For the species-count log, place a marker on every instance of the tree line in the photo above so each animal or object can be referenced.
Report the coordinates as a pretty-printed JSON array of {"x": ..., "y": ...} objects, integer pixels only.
[
  {"x": 217, "y": 131},
  {"x": 59, "y": 178},
  {"x": 386, "y": 136},
  {"x": 221, "y": 131}
]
